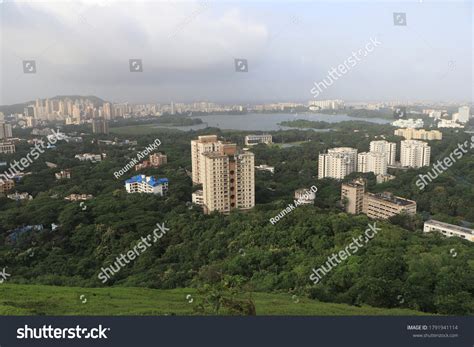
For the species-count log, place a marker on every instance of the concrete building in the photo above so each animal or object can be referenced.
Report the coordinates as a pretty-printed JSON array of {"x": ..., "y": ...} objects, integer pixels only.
[
  {"x": 375, "y": 162},
  {"x": 448, "y": 230},
  {"x": 78, "y": 197},
  {"x": 414, "y": 153},
  {"x": 337, "y": 163},
  {"x": 265, "y": 167},
  {"x": 384, "y": 178},
  {"x": 5, "y": 130},
  {"x": 100, "y": 126},
  {"x": 198, "y": 198},
  {"x": 377, "y": 206},
  {"x": 352, "y": 195},
  {"x": 408, "y": 123},
  {"x": 6, "y": 185},
  {"x": 203, "y": 144},
  {"x": 252, "y": 140},
  {"x": 146, "y": 184},
  {"x": 419, "y": 134},
  {"x": 463, "y": 115},
  {"x": 448, "y": 123},
  {"x": 383, "y": 146},
  {"x": 7, "y": 148},
  {"x": 386, "y": 205},
  {"x": 228, "y": 179},
  {"x": 305, "y": 196},
  {"x": 63, "y": 174}
]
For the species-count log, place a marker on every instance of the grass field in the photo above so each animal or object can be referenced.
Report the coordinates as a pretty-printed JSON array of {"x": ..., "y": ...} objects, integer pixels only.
[{"x": 50, "y": 300}]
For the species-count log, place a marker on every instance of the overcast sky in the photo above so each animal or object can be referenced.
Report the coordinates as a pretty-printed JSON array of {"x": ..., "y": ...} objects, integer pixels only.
[{"x": 188, "y": 50}]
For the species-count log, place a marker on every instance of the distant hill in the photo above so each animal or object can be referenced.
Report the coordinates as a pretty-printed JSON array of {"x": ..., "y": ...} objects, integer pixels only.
[{"x": 18, "y": 108}]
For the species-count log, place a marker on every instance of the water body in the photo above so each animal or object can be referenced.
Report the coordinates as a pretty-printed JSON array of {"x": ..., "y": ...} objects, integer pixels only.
[{"x": 266, "y": 122}]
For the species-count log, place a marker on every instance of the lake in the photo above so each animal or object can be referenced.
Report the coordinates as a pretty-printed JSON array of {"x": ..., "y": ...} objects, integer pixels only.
[{"x": 266, "y": 122}]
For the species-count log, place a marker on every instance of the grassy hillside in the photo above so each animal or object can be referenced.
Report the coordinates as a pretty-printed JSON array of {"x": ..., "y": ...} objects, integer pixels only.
[{"x": 50, "y": 300}]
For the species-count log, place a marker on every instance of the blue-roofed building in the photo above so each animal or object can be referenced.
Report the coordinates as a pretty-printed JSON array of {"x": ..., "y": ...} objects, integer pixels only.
[{"x": 147, "y": 184}]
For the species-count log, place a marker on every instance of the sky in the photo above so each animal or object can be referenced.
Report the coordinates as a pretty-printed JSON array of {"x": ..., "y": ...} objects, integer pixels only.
[{"x": 188, "y": 50}]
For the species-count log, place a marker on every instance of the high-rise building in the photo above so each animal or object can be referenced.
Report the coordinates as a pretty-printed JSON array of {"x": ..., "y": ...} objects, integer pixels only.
[
  {"x": 375, "y": 162},
  {"x": 383, "y": 146},
  {"x": 352, "y": 195},
  {"x": 337, "y": 163},
  {"x": 414, "y": 153},
  {"x": 208, "y": 143},
  {"x": 5, "y": 129},
  {"x": 463, "y": 115},
  {"x": 100, "y": 126},
  {"x": 228, "y": 179},
  {"x": 107, "y": 109}
]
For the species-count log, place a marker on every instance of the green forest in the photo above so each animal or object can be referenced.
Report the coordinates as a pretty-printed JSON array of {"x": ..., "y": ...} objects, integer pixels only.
[{"x": 242, "y": 252}]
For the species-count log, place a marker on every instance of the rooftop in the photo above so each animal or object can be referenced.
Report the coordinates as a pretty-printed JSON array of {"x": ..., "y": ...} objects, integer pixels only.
[
  {"x": 153, "y": 181},
  {"x": 450, "y": 226},
  {"x": 392, "y": 198}
]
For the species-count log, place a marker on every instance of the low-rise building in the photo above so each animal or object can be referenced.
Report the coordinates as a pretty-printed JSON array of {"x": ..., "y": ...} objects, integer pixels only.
[
  {"x": 7, "y": 148},
  {"x": 305, "y": 196},
  {"x": 155, "y": 160},
  {"x": 146, "y": 184},
  {"x": 6, "y": 185},
  {"x": 198, "y": 198},
  {"x": 63, "y": 174},
  {"x": 384, "y": 178},
  {"x": 449, "y": 123},
  {"x": 419, "y": 134},
  {"x": 19, "y": 196},
  {"x": 94, "y": 158},
  {"x": 377, "y": 206},
  {"x": 78, "y": 197},
  {"x": 448, "y": 230},
  {"x": 252, "y": 140},
  {"x": 265, "y": 167},
  {"x": 386, "y": 205}
]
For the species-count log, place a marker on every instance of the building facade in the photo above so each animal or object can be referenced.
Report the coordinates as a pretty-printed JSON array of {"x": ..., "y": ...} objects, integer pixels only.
[
  {"x": 375, "y": 162},
  {"x": 252, "y": 140},
  {"x": 383, "y": 146},
  {"x": 386, "y": 205},
  {"x": 203, "y": 144},
  {"x": 147, "y": 184},
  {"x": 352, "y": 196},
  {"x": 419, "y": 134},
  {"x": 337, "y": 163},
  {"x": 448, "y": 230},
  {"x": 228, "y": 179},
  {"x": 414, "y": 153},
  {"x": 7, "y": 148}
]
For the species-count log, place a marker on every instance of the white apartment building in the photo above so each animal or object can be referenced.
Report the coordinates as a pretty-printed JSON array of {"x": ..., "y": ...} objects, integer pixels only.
[
  {"x": 462, "y": 116},
  {"x": 197, "y": 198},
  {"x": 383, "y": 146},
  {"x": 408, "y": 123},
  {"x": 326, "y": 104},
  {"x": 228, "y": 179},
  {"x": 203, "y": 144},
  {"x": 146, "y": 184},
  {"x": 375, "y": 162},
  {"x": 448, "y": 123},
  {"x": 337, "y": 163},
  {"x": 414, "y": 153},
  {"x": 252, "y": 140},
  {"x": 448, "y": 230}
]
